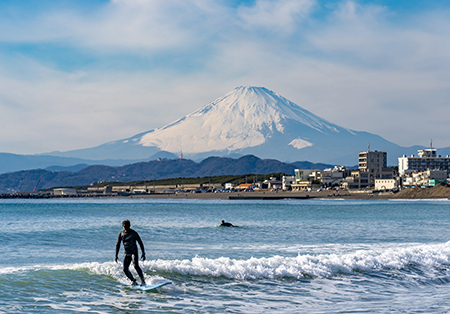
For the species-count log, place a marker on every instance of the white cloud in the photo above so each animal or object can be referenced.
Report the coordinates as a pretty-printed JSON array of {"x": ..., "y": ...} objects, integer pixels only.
[
  {"x": 361, "y": 66},
  {"x": 281, "y": 15}
]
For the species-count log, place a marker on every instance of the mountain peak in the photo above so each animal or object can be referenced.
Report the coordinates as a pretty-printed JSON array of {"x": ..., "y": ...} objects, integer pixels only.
[
  {"x": 249, "y": 120},
  {"x": 245, "y": 117}
]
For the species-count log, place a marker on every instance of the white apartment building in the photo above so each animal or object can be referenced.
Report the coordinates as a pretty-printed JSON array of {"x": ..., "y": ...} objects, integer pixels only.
[{"x": 427, "y": 159}]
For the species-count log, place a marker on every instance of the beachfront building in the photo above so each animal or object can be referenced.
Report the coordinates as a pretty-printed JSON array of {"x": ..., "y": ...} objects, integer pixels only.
[
  {"x": 373, "y": 165},
  {"x": 303, "y": 174},
  {"x": 386, "y": 184},
  {"x": 229, "y": 186},
  {"x": 424, "y": 178},
  {"x": 356, "y": 180},
  {"x": 287, "y": 181},
  {"x": 64, "y": 191},
  {"x": 332, "y": 176},
  {"x": 305, "y": 179},
  {"x": 246, "y": 187},
  {"x": 426, "y": 159},
  {"x": 273, "y": 183},
  {"x": 108, "y": 189},
  {"x": 372, "y": 161}
]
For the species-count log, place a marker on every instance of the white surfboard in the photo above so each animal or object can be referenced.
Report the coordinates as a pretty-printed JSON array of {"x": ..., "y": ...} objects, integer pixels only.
[{"x": 151, "y": 287}]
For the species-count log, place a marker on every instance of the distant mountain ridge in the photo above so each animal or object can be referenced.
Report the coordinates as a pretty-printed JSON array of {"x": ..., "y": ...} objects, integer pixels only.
[
  {"x": 14, "y": 162},
  {"x": 249, "y": 120},
  {"x": 151, "y": 170}
]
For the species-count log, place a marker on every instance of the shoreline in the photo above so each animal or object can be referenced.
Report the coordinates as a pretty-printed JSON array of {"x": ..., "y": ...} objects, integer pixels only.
[
  {"x": 440, "y": 191},
  {"x": 437, "y": 192},
  {"x": 269, "y": 195}
]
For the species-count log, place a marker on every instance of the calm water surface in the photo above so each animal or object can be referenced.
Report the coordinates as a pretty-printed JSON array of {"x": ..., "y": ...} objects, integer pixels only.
[{"x": 286, "y": 256}]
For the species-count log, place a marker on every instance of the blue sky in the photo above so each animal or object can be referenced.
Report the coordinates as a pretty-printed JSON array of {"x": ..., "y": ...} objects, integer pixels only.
[{"x": 76, "y": 74}]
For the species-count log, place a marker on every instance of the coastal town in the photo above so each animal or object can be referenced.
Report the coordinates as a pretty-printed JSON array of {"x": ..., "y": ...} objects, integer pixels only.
[{"x": 373, "y": 177}]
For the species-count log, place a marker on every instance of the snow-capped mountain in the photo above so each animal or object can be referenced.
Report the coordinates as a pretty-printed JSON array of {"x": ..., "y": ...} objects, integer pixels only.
[
  {"x": 245, "y": 117},
  {"x": 247, "y": 120}
]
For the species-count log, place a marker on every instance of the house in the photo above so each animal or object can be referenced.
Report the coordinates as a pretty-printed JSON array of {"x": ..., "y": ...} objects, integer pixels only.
[
  {"x": 424, "y": 178},
  {"x": 273, "y": 183},
  {"x": 287, "y": 181},
  {"x": 386, "y": 184},
  {"x": 332, "y": 176},
  {"x": 245, "y": 186},
  {"x": 305, "y": 179},
  {"x": 229, "y": 186}
]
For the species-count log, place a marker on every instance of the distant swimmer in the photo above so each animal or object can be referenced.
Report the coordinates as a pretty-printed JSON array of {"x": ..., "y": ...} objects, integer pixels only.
[
  {"x": 129, "y": 237},
  {"x": 226, "y": 224}
]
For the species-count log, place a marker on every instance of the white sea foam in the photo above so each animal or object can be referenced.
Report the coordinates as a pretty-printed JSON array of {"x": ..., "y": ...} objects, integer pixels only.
[{"x": 302, "y": 266}]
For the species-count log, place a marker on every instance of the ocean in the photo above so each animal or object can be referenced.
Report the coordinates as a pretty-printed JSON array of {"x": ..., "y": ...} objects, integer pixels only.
[{"x": 285, "y": 256}]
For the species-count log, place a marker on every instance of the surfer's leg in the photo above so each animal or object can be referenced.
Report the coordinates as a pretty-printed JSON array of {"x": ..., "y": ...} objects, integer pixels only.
[
  {"x": 126, "y": 265},
  {"x": 136, "y": 266}
]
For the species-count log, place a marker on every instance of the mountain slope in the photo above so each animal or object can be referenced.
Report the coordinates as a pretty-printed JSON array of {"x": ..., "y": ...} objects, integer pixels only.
[
  {"x": 249, "y": 120},
  {"x": 243, "y": 118}
]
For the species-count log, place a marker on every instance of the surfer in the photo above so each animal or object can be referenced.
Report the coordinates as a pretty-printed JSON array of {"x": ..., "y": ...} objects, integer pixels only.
[
  {"x": 226, "y": 224},
  {"x": 129, "y": 237}
]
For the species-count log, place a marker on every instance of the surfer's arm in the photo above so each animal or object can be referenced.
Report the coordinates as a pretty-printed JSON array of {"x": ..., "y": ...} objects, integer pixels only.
[
  {"x": 141, "y": 244},
  {"x": 119, "y": 239}
]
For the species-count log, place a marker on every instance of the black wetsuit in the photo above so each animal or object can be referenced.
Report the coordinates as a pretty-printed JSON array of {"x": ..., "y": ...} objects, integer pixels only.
[
  {"x": 226, "y": 224},
  {"x": 129, "y": 239}
]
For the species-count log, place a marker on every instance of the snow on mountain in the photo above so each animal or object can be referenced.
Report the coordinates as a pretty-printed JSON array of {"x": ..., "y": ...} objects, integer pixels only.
[
  {"x": 248, "y": 120},
  {"x": 245, "y": 117}
]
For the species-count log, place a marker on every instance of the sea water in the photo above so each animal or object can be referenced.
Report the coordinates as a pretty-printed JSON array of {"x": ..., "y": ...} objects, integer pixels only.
[{"x": 285, "y": 256}]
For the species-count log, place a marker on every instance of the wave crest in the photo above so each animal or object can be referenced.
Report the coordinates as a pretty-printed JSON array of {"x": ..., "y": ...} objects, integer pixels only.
[
  {"x": 306, "y": 266},
  {"x": 426, "y": 257}
]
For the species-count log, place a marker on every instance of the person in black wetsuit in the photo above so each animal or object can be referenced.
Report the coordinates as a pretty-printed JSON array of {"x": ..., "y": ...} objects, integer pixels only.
[
  {"x": 129, "y": 237},
  {"x": 226, "y": 224}
]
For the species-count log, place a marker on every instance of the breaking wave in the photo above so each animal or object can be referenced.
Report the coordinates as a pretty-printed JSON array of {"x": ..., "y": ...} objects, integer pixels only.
[
  {"x": 426, "y": 257},
  {"x": 307, "y": 266}
]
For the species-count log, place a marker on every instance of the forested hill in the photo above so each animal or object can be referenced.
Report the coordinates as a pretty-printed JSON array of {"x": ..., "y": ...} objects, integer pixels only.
[{"x": 151, "y": 170}]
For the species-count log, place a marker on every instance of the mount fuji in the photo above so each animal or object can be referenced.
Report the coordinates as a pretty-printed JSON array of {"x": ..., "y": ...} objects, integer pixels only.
[{"x": 247, "y": 120}]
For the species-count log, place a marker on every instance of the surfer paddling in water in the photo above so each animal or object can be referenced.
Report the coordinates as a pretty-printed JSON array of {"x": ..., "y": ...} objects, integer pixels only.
[
  {"x": 226, "y": 224},
  {"x": 129, "y": 237}
]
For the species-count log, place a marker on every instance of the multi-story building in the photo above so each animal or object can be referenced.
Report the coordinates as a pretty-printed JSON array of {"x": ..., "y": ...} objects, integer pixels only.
[
  {"x": 372, "y": 161},
  {"x": 427, "y": 159},
  {"x": 374, "y": 165}
]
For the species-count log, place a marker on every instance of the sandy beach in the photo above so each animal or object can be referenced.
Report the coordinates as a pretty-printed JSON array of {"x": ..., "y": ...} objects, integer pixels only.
[
  {"x": 441, "y": 191},
  {"x": 271, "y": 195}
]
